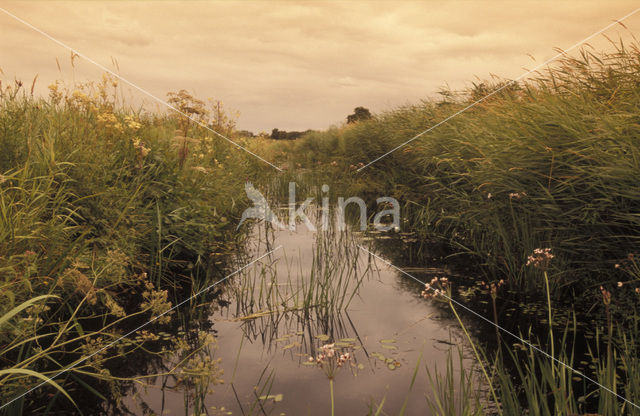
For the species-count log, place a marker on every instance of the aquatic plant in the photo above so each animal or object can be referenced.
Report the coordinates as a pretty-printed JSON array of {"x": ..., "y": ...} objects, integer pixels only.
[{"x": 330, "y": 359}]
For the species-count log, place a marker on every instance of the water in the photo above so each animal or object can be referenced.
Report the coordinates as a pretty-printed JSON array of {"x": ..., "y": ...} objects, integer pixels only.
[{"x": 317, "y": 288}]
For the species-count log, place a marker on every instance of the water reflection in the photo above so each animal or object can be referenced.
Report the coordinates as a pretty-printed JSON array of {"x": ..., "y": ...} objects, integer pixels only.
[{"x": 318, "y": 288}]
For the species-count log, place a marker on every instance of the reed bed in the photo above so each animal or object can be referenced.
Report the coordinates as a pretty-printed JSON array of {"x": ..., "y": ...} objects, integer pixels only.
[
  {"x": 547, "y": 162},
  {"x": 108, "y": 215}
]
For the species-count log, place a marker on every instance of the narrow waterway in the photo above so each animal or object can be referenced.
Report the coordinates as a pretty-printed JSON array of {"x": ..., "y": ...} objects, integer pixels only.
[{"x": 319, "y": 288}]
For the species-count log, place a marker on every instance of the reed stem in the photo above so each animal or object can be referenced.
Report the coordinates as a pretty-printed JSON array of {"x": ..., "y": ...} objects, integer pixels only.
[{"x": 477, "y": 354}]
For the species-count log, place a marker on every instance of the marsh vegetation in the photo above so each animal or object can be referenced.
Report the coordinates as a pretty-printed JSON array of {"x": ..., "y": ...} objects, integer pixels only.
[{"x": 512, "y": 286}]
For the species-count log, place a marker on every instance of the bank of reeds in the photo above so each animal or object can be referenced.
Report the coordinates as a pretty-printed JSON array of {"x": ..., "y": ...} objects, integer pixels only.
[
  {"x": 106, "y": 215},
  {"x": 551, "y": 161}
]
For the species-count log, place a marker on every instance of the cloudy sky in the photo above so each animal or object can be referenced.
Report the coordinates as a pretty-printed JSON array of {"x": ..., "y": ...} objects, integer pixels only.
[{"x": 298, "y": 65}]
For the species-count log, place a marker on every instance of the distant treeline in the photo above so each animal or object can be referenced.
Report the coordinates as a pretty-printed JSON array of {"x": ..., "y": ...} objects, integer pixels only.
[
  {"x": 359, "y": 114},
  {"x": 245, "y": 133},
  {"x": 287, "y": 135}
]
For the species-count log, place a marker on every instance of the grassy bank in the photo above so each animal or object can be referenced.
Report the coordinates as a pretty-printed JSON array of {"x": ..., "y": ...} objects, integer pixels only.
[
  {"x": 108, "y": 216},
  {"x": 550, "y": 162},
  {"x": 111, "y": 215}
]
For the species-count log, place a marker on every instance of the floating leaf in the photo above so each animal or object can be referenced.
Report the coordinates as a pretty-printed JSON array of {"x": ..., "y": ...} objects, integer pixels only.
[
  {"x": 274, "y": 397},
  {"x": 388, "y": 341},
  {"x": 322, "y": 337},
  {"x": 289, "y": 346},
  {"x": 389, "y": 347},
  {"x": 348, "y": 339}
]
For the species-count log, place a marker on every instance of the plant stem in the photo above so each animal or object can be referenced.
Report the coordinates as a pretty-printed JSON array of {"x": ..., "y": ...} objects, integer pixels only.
[
  {"x": 553, "y": 365},
  {"x": 331, "y": 388},
  {"x": 546, "y": 281},
  {"x": 475, "y": 351},
  {"x": 495, "y": 321}
]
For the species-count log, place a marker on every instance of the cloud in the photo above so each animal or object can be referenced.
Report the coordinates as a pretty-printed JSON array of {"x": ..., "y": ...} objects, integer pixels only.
[
  {"x": 298, "y": 65},
  {"x": 343, "y": 82}
]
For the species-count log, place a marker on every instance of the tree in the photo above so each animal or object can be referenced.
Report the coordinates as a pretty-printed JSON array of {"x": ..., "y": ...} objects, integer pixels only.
[
  {"x": 359, "y": 114},
  {"x": 286, "y": 135},
  {"x": 245, "y": 133}
]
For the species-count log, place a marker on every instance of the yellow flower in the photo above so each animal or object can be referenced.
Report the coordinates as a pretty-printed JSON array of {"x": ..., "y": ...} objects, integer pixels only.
[
  {"x": 79, "y": 95},
  {"x": 109, "y": 121},
  {"x": 140, "y": 147},
  {"x": 54, "y": 93},
  {"x": 132, "y": 123}
]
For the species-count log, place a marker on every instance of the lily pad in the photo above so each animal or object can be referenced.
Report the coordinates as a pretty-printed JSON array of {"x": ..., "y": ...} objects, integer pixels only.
[
  {"x": 274, "y": 397},
  {"x": 289, "y": 346}
]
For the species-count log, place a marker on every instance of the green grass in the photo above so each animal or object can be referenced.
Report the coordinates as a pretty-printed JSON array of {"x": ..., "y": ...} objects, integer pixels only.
[
  {"x": 107, "y": 216},
  {"x": 107, "y": 212},
  {"x": 565, "y": 141},
  {"x": 552, "y": 161}
]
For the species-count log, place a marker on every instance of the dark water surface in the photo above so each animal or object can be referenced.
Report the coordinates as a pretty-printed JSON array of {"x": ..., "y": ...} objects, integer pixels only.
[{"x": 265, "y": 335}]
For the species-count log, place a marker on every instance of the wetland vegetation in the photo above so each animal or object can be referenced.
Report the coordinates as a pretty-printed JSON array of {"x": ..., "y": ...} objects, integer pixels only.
[{"x": 511, "y": 287}]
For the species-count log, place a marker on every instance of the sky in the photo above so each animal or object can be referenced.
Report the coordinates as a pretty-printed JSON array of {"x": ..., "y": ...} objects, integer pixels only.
[{"x": 297, "y": 65}]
